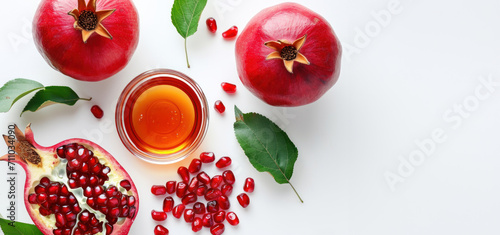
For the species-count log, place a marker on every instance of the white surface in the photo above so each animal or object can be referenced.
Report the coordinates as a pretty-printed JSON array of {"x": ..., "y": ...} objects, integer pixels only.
[{"x": 393, "y": 92}]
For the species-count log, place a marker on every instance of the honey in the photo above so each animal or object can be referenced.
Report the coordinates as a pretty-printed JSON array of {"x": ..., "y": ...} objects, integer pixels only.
[{"x": 162, "y": 115}]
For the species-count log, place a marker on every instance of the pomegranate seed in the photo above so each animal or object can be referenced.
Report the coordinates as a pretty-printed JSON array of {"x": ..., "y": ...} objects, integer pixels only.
[
  {"x": 170, "y": 185},
  {"x": 212, "y": 25},
  {"x": 181, "y": 189},
  {"x": 184, "y": 174},
  {"x": 207, "y": 157},
  {"x": 91, "y": 202},
  {"x": 60, "y": 220},
  {"x": 115, "y": 212},
  {"x": 212, "y": 194},
  {"x": 197, "y": 224},
  {"x": 64, "y": 190},
  {"x": 84, "y": 216},
  {"x": 228, "y": 87},
  {"x": 126, "y": 184},
  {"x": 217, "y": 229},
  {"x": 44, "y": 211},
  {"x": 158, "y": 190},
  {"x": 113, "y": 202},
  {"x": 219, "y": 106},
  {"x": 193, "y": 185},
  {"x": 219, "y": 216},
  {"x": 223, "y": 162},
  {"x": 132, "y": 211},
  {"x": 60, "y": 152},
  {"x": 189, "y": 198},
  {"x": 177, "y": 211},
  {"x": 201, "y": 190},
  {"x": 212, "y": 206},
  {"x": 53, "y": 188},
  {"x": 131, "y": 201},
  {"x": 223, "y": 202},
  {"x": 65, "y": 209},
  {"x": 41, "y": 198},
  {"x": 98, "y": 190},
  {"x": 93, "y": 181},
  {"x": 158, "y": 215},
  {"x": 32, "y": 198},
  {"x": 97, "y": 111},
  {"x": 243, "y": 199},
  {"x": 216, "y": 181},
  {"x": 249, "y": 185},
  {"x": 87, "y": 192},
  {"x": 232, "y": 218},
  {"x": 53, "y": 198},
  {"x": 199, "y": 208},
  {"x": 160, "y": 230},
  {"x": 226, "y": 189},
  {"x": 124, "y": 211},
  {"x": 230, "y": 33},
  {"x": 168, "y": 204},
  {"x": 109, "y": 228},
  {"x": 195, "y": 166},
  {"x": 102, "y": 200},
  {"x": 207, "y": 220},
  {"x": 188, "y": 215},
  {"x": 203, "y": 177}
]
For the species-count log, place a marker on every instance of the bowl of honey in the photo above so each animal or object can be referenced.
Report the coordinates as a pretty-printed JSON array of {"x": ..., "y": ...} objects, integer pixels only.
[{"x": 162, "y": 116}]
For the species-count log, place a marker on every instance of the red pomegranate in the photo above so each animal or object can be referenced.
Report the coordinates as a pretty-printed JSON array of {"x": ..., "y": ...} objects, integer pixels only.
[
  {"x": 88, "y": 42},
  {"x": 56, "y": 178},
  {"x": 288, "y": 55}
]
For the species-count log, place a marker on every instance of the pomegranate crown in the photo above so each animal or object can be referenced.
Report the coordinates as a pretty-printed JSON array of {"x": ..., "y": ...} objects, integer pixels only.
[
  {"x": 88, "y": 19},
  {"x": 288, "y": 52}
]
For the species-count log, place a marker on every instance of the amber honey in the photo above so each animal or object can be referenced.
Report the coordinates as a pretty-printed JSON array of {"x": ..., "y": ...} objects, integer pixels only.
[{"x": 162, "y": 115}]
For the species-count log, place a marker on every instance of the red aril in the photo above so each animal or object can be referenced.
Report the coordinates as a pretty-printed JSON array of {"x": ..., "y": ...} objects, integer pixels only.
[
  {"x": 219, "y": 106},
  {"x": 170, "y": 185},
  {"x": 212, "y": 206},
  {"x": 52, "y": 206},
  {"x": 158, "y": 215},
  {"x": 207, "y": 220},
  {"x": 223, "y": 202},
  {"x": 249, "y": 185},
  {"x": 219, "y": 216},
  {"x": 230, "y": 33},
  {"x": 178, "y": 210},
  {"x": 223, "y": 162},
  {"x": 181, "y": 189},
  {"x": 184, "y": 174},
  {"x": 232, "y": 218},
  {"x": 88, "y": 42},
  {"x": 216, "y": 181},
  {"x": 194, "y": 166},
  {"x": 160, "y": 230},
  {"x": 97, "y": 111},
  {"x": 207, "y": 157},
  {"x": 228, "y": 176},
  {"x": 158, "y": 190},
  {"x": 201, "y": 190},
  {"x": 197, "y": 224},
  {"x": 199, "y": 208},
  {"x": 228, "y": 87},
  {"x": 189, "y": 215},
  {"x": 243, "y": 199},
  {"x": 212, "y": 194},
  {"x": 193, "y": 185},
  {"x": 277, "y": 37},
  {"x": 217, "y": 229},
  {"x": 226, "y": 189},
  {"x": 203, "y": 177},
  {"x": 168, "y": 204},
  {"x": 211, "y": 25},
  {"x": 189, "y": 198}
]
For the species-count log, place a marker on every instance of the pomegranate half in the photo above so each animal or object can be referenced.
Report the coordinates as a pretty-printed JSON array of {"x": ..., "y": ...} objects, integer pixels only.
[
  {"x": 86, "y": 41},
  {"x": 288, "y": 55},
  {"x": 74, "y": 187}
]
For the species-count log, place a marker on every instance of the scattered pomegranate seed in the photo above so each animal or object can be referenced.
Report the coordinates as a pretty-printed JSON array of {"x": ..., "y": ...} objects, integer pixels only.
[
  {"x": 193, "y": 185},
  {"x": 189, "y": 198},
  {"x": 216, "y": 181},
  {"x": 219, "y": 106},
  {"x": 97, "y": 111},
  {"x": 228, "y": 176},
  {"x": 219, "y": 216},
  {"x": 212, "y": 25},
  {"x": 226, "y": 189},
  {"x": 201, "y": 190},
  {"x": 195, "y": 166},
  {"x": 160, "y": 230},
  {"x": 199, "y": 208},
  {"x": 212, "y": 206},
  {"x": 188, "y": 215},
  {"x": 232, "y": 218},
  {"x": 207, "y": 220},
  {"x": 230, "y": 33},
  {"x": 217, "y": 229},
  {"x": 228, "y": 87},
  {"x": 243, "y": 199},
  {"x": 223, "y": 162},
  {"x": 158, "y": 190},
  {"x": 181, "y": 189},
  {"x": 184, "y": 174},
  {"x": 207, "y": 157},
  {"x": 168, "y": 204},
  {"x": 203, "y": 177},
  {"x": 223, "y": 202},
  {"x": 178, "y": 210},
  {"x": 197, "y": 224},
  {"x": 170, "y": 185},
  {"x": 158, "y": 215},
  {"x": 125, "y": 184},
  {"x": 212, "y": 194},
  {"x": 249, "y": 185}
]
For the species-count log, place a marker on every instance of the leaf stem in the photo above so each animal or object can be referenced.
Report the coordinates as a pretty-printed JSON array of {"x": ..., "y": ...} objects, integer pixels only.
[
  {"x": 186, "y": 50},
  {"x": 86, "y": 99},
  {"x": 296, "y": 192}
]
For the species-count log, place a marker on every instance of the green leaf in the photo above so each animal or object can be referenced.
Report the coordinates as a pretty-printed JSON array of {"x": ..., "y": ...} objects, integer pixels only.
[
  {"x": 14, "y": 90},
  {"x": 52, "y": 95},
  {"x": 18, "y": 228},
  {"x": 266, "y": 145},
  {"x": 185, "y": 17}
]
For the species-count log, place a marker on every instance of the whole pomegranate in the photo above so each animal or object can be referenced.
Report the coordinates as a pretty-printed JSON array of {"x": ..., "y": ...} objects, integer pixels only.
[
  {"x": 88, "y": 42},
  {"x": 74, "y": 187},
  {"x": 288, "y": 55}
]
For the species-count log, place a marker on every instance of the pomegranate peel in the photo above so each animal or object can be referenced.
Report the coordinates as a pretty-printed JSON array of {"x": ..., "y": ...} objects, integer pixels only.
[{"x": 54, "y": 206}]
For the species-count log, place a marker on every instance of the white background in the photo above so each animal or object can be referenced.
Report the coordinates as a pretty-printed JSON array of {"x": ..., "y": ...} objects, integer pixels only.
[{"x": 403, "y": 83}]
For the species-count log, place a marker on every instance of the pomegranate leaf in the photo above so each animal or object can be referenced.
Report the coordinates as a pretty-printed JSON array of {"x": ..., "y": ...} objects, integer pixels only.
[
  {"x": 52, "y": 95},
  {"x": 18, "y": 228},
  {"x": 14, "y": 90},
  {"x": 266, "y": 145},
  {"x": 185, "y": 17}
]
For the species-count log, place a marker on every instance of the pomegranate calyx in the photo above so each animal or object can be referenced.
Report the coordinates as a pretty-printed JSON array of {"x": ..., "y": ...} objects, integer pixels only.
[
  {"x": 88, "y": 19},
  {"x": 26, "y": 151},
  {"x": 288, "y": 52}
]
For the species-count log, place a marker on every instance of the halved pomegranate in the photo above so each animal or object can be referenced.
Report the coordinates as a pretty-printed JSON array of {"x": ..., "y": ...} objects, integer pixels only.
[{"x": 74, "y": 187}]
